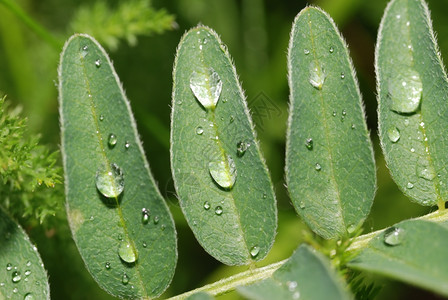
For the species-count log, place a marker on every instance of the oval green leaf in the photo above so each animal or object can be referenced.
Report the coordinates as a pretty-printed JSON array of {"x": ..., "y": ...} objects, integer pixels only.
[
  {"x": 330, "y": 169},
  {"x": 402, "y": 253},
  {"x": 22, "y": 272},
  {"x": 221, "y": 179},
  {"x": 412, "y": 102},
  {"x": 119, "y": 221},
  {"x": 306, "y": 275}
]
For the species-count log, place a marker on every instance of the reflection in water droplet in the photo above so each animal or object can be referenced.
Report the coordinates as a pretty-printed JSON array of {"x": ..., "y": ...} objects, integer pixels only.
[
  {"x": 406, "y": 91},
  {"x": 125, "y": 279},
  {"x": 393, "y": 134},
  {"x": 318, "y": 167},
  {"x": 126, "y": 252},
  {"x": 98, "y": 63},
  {"x": 110, "y": 181},
  {"x": 199, "y": 130},
  {"x": 145, "y": 215},
  {"x": 241, "y": 148},
  {"x": 16, "y": 277},
  {"x": 393, "y": 236},
  {"x": 254, "y": 251},
  {"x": 206, "y": 205},
  {"x": 206, "y": 86},
  {"x": 223, "y": 172},
  {"x": 317, "y": 75},
  {"x": 218, "y": 210},
  {"x": 112, "y": 140},
  {"x": 309, "y": 143}
]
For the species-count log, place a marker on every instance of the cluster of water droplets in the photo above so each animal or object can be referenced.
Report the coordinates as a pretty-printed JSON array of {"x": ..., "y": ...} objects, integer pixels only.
[{"x": 17, "y": 277}]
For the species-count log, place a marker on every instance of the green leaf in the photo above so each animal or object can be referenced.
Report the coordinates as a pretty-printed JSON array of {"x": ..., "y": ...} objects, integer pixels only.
[
  {"x": 119, "y": 221},
  {"x": 200, "y": 296},
  {"x": 22, "y": 272},
  {"x": 330, "y": 168},
  {"x": 222, "y": 181},
  {"x": 413, "y": 107},
  {"x": 402, "y": 252},
  {"x": 306, "y": 275}
]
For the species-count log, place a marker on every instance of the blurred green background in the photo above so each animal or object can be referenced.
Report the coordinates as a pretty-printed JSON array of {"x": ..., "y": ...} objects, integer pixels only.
[{"x": 256, "y": 33}]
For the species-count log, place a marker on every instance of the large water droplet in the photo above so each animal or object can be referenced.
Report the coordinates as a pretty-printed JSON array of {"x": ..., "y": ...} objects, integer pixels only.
[
  {"x": 16, "y": 277},
  {"x": 406, "y": 91},
  {"x": 223, "y": 172},
  {"x": 206, "y": 86},
  {"x": 110, "y": 181},
  {"x": 126, "y": 252},
  {"x": 317, "y": 75},
  {"x": 393, "y": 134},
  {"x": 393, "y": 236},
  {"x": 309, "y": 143},
  {"x": 145, "y": 215},
  {"x": 241, "y": 148},
  {"x": 112, "y": 140},
  {"x": 125, "y": 279},
  {"x": 254, "y": 251},
  {"x": 218, "y": 210},
  {"x": 28, "y": 296}
]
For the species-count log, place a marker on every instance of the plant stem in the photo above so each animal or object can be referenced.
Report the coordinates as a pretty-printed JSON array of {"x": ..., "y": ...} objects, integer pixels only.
[
  {"x": 33, "y": 25},
  {"x": 251, "y": 276}
]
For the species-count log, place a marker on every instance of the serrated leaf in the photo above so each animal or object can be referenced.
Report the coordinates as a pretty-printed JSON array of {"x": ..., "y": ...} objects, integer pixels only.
[
  {"x": 221, "y": 179},
  {"x": 119, "y": 221},
  {"x": 306, "y": 275},
  {"x": 22, "y": 272},
  {"x": 330, "y": 168},
  {"x": 402, "y": 253},
  {"x": 412, "y": 96}
]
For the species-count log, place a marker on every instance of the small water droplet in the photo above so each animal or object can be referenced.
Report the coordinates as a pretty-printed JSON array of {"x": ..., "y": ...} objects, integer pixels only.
[
  {"x": 410, "y": 185},
  {"x": 28, "y": 296},
  {"x": 2, "y": 284},
  {"x": 426, "y": 172},
  {"x": 317, "y": 75},
  {"x": 351, "y": 228},
  {"x": 206, "y": 86},
  {"x": 393, "y": 134},
  {"x": 27, "y": 273},
  {"x": 145, "y": 215},
  {"x": 406, "y": 91},
  {"x": 223, "y": 172},
  {"x": 107, "y": 265},
  {"x": 318, "y": 167},
  {"x": 334, "y": 113},
  {"x": 393, "y": 236},
  {"x": 412, "y": 150},
  {"x": 84, "y": 51},
  {"x": 265, "y": 195},
  {"x": 296, "y": 295},
  {"x": 206, "y": 205},
  {"x": 125, "y": 279},
  {"x": 408, "y": 23},
  {"x": 398, "y": 16},
  {"x": 292, "y": 285},
  {"x": 98, "y": 63},
  {"x": 8, "y": 267},
  {"x": 254, "y": 251},
  {"x": 15, "y": 290},
  {"x": 16, "y": 277},
  {"x": 342, "y": 75},
  {"x": 302, "y": 205},
  {"x": 110, "y": 181},
  {"x": 144, "y": 245},
  {"x": 101, "y": 118},
  {"x": 353, "y": 126},
  {"x": 331, "y": 50},
  {"x": 163, "y": 227},
  {"x": 199, "y": 130},
  {"x": 127, "y": 145},
  {"x": 406, "y": 122},
  {"x": 28, "y": 263},
  {"x": 344, "y": 112},
  {"x": 309, "y": 143},
  {"x": 232, "y": 118},
  {"x": 112, "y": 140},
  {"x": 218, "y": 210},
  {"x": 241, "y": 148},
  {"x": 306, "y": 51},
  {"x": 156, "y": 220},
  {"x": 126, "y": 252}
]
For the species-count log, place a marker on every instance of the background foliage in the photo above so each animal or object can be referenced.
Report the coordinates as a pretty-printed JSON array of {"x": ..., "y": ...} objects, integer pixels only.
[{"x": 257, "y": 34}]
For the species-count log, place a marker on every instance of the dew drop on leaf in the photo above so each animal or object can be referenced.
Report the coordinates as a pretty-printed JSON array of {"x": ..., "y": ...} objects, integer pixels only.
[
  {"x": 199, "y": 130},
  {"x": 110, "y": 181},
  {"x": 317, "y": 75},
  {"x": 127, "y": 145},
  {"x": 84, "y": 51},
  {"x": 426, "y": 173},
  {"x": 409, "y": 185},
  {"x": 302, "y": 205},
  {"x": 8, "y": 267},
  {"x": 206, "y": 86},
  {"x": 28, "y": 296},
  {"x": 342, "y": 75},
  {"x": 107, "y": 265},
  {"x": 125, "y": 279},
  {"x": 101, "y": 118},
  {"x": 292, "y": 285},
  {"x": 98, "y": 63},
  {"x": 15, "y": 290},
  {"x": 331, "y": 50},
  {"x": 393, "y": 134},
  {"x": 241, "y": 148},
  {"x": 254, "y": 251},
  {"x": 318, "y": 167},
  {"x": 16, "y": 277},
  {"x": 218, "y": 210},
  {"x": 145, "y": 215},
  {"x": 126, "y": 252},
  {"x": 144, "y": 245},
  {"x": 206, "y": 205},
  {"x": 406, "y": 92},
  {"x": 309, "y": 143},
  {"x": 223, "y": 172},
  {"x": 306, "y": 51},
  {"x": 156, "y": 220},
  {"x": 112, "y": 140},
  {"x": 27, "y": 273},
  {"x": 393, "y": 236}
]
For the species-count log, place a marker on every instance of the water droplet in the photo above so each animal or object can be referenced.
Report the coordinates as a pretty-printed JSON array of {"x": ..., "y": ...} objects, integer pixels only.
[
  {"x": 163, "y": 227},
  {"x": 318, "y": 167},
  {"x": 144, "y": 245},
  {"x": 28, "y": 263},
  {"x": 110, "y": 181},
  {"x": 408, "y": 23},
  {"x": 84, "y": 51},
  {"x": 344, "y": 112},
  {"x": 107, "y": 265},
  {"x": 351, "y": 228},
  {"x": 28, "y": 296},
  {"x": 156, "y": 220},
  {"x": 331, "y": 50},
  {"x": 410, "y": 185},
  {"x": 398, "y": 16},
  {"x": 334, "y": 113},
  {"x": 406, "y": 92},
  {"x": 16, "y": 277},
  {"x": 206, "y": 205},
  {"x": 27, "y": 273},
  {"x": 296, "y": 295},
  {"x": 317, "y": 75},
  {"x": 302, "y": 205},
  {"x": 232, "y": 118},
  {"x": 218, "y": 210},
  {"x": 8, "y": 267},
  {"x": 145, "y": 215},
  {"x": 265, "y": 195},
  {"x": 342, "y": 75},
  {"x": 254, "y": 251},
  {"x": 393, "y": 134},
  {"x": 426, "y": 172},
  {"x": 206, "y": 86},
  {"x": 15, "y": 290},
  {"x": 101, "y": 118},
  {"x": 241, "y": 148},
  {"x": 353, "y": 126},
  {"x": 292, "y": 285},
  {"x": 98, "y": 63},
  {"x": 112, "y": 140},
  {"x": 309, "y": 143},
  {"x": 126, "y": 252},
  {"x": 306, "y": 51},
  {"x": 125, "y": 279},
  {"x": 393, "y": 236},
  {"x": 412, "y": 150},
  {"x": 127, "y": 145},
  {"x": 199, "y": 130},
  {"x": 223, "y": 172}
]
